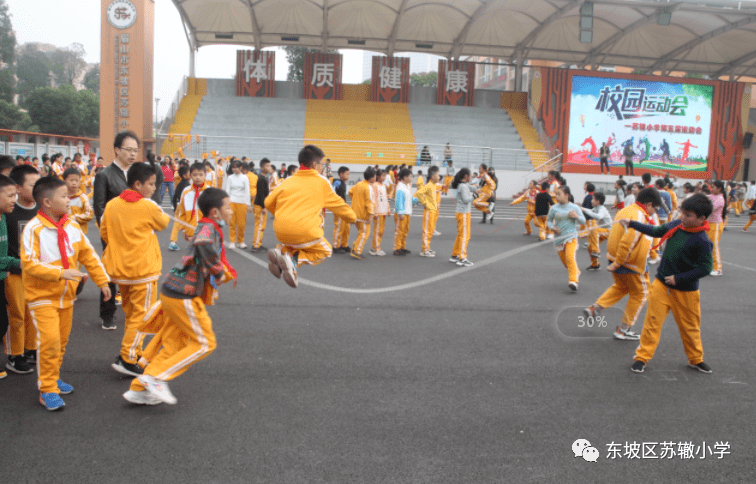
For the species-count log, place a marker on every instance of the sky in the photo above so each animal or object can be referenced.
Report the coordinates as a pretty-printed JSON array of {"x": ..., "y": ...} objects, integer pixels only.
[{"x": 47, "y": 21}]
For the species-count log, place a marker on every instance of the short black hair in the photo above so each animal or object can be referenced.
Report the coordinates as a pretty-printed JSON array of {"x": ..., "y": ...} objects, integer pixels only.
[
  {"x": 209, "y": 199},
  {"x": 291, "y": 169},
  {"x": 139, "y": 172},
  {"x": 484, "y": 166},
  {"x": 698, "y": 204},
  {"x": 120, "y": 137},
  {"x": 404, "y": 172},
  {"x": 183, "y": 170},
  {"x": 343, "y": 169},
  {"x": 309, "y": 154},
  {"x": 431, "y": 171},
  {"x": 646, "y": 177},
  {"x": 6, "y": 162},
  {"x": 545, "y": 186},
  {"x": 369, "y": 173},
  {"x": 197, "y": 167},
  {"x": 565, "y": 189},
  {"x": 264, "y": 162},
  {"x": 649, "y": 195},
  {"x": 6, "y": 182},
  {"x": 44, "y": 187},
  {"x": 54, "y": 157},
  {"x": 71, "y": 171},
  {"x": 600, "y": 197},
  {"x": 19, "y": 172},
  {"x": 660, "y": 183},
  {"x": 590, "y": 187}
]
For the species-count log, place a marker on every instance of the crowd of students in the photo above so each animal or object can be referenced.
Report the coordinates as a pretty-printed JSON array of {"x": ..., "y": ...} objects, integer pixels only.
[{"x": 44, "y": 246}]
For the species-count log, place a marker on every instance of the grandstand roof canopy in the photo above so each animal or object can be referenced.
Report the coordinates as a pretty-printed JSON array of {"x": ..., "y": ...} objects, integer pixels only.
[{"x": 712, "y": 37}]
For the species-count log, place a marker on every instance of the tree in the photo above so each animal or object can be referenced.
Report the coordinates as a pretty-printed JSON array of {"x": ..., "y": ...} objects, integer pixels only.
[
  {"x": 424, "y": 79},
  {"x": 11, "y": 116},
  {"x": 68, "y": 63},
  {"x": 54, "y": 110},
  {"x": 7, "y": 53},
  {"x": 87, "y": 111},
  {"x": 295, "y": 56},
  {"x": 33, "y": 71},
  {"x": 92, "y": 79}
]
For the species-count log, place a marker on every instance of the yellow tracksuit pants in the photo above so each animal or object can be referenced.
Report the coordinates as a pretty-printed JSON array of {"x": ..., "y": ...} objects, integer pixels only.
[
  {"x": 260, "y": 222},
  {"x": 633, "y": 285},
  {"x": 566, "y": 253},
  {"x": 154, "y": 322},
  {"x": 136, "y": 301},
  {"x": 21, "y": 334},
  {"x": 686, "y": 309},
  {"x": 530, "y": 217},
  {"x": 379, "y": 226},
  {"x": 543, "y": 229},
  {"x": 584, "y": 230},
  {"x": 401, "y": 230},
  {"x": 429, "y": 226},
  {"x": 447, "y": 183},
  {"x": 238, "y": 223},
  {"x": 186, "y": 338},
  {"x": 734, "y": 205},
  {"x": 363, "y": 233},
  {"x": 745, "y": 227},
  {"x": 310, "y": 253},
  {"x": 596, "y": 236},
  {"x": 176, "y": 227},
  {"x": 481, "y": 203},
  {"x": 715, "y": 234},
  {"x": 341, "y": 230},
  {"x": 53, "y": 327},
  {"x": 463, "y": 235}
]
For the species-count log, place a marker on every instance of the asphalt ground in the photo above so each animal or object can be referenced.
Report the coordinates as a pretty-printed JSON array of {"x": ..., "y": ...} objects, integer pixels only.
[{"x": 467, "y": 378}]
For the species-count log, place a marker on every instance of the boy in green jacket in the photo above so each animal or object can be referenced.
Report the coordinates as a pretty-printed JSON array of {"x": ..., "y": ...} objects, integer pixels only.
[{"x": 7, "y": 201}]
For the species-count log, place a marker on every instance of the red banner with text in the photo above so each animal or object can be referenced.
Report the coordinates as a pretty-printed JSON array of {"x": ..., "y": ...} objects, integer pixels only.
[
  {"x": 456, "y": 83},
  {"x": 322, "y": 76},
  {"x": 255, "y": 73},
  {"x": 390, "y": 81}
]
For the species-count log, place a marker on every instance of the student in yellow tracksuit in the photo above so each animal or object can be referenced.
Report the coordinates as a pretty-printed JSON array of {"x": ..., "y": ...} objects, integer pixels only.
[
  {"x": 379, "y": 197},
  {"x": 402, "y": 211},
  {"x": 564, "y": 219},
  {"x": 341, "y": 227},
  {"x": 186, "y": 331},
  {"x": 717, "y": 221},
  {"x": 46, "y": 274},
  {"x": 530, "y": 196},
  {"x": 236, "y": 185},
  {"x": 554, "y": 184},
  {"x": 487, "y": 188},
  {"x": 132, "y": 257},
  {"x": 450, "y": 171},
  {"x": 420, "y": 182},
  {"x": 79, "y": 208},
  {"x": 261, "y": 213},
  {"x": 599, "y": 229},
  {"x": 427, "y": 197},
  {"x": 298, "y": 208},
  {"x": 463, "y": 201},
  {"x": 627, "y": 251},
  {"x": 187, "y": 211},
  {"x": 362, "y": 206}
]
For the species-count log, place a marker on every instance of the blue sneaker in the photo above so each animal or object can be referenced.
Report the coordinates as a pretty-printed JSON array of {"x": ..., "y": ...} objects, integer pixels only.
[
  {"x": 51, "y": 401},
  {"x": 173, "y": 246},
  {"x": 64, "y": 387}
]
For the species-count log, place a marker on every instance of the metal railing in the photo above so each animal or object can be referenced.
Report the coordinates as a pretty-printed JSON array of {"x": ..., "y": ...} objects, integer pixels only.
[
  {"x": 285, "y": 150},
  {"x": 170, "y": 115}
]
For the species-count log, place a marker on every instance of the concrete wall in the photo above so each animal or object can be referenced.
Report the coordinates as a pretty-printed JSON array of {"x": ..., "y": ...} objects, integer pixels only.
[
  {"x": 289, "y": 90},
  {"x": 221, "y": 87},
  {"x": 422, "y": 95},
  {"x": 487, "y": 99}
]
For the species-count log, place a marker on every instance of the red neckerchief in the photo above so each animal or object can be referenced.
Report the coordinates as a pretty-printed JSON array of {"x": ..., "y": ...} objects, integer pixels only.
[
  {"x": 670, "y": 233},
  {"x": 196, "y": 197},
  {"x": 131, "y": 195},
  {"x": 224, "y": 261},
  {"x": 62, "y": 236},
  {"x": 645, "y": 213},
  {"x": 302, "y": 167},
  {"x": 544, "y": 191}
]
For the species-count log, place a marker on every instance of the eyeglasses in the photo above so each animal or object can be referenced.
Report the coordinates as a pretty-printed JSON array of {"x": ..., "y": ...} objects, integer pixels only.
[{"x": 130, "y": 150}]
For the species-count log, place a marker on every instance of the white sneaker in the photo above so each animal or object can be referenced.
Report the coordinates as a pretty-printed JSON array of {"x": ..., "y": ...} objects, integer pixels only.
[
  {"x": 158, "y": 388},
  {"x": 242, "y": 245},
  {"x": 380, "y": 253},
  {"x": 373, "y": 252},
  {"x": 454, "y": 259},
  {"x": 573, "y": 286},
  {"x": 464, "y": 263},
  {"x": 141, "y": 398},
  {"x": 436, "y": 232},
  {"x": 550, "y": 236},
  {"x": 427, "y": 254},
  {"x": 288, "y": 269},
  {"x": 654, "y": 261},
  {"x": 716, "y": 273},
  {"x": 231, "y": 245}
]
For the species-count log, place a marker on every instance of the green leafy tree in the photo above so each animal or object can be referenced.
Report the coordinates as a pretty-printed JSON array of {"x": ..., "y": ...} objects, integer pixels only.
[
  {"x": 295, "y": 56},
  {"x": 424, "y": 79},
  {"x": 87, "y": 111},
  {"x": 7, "y": 54},
  {"x": 33, "y": 71},
  {"x": 54, "y": 110},
  {"x": 11, "y": 116},
  {"x": 68, "y": 63},
  {"x": 92, "y": 79}
]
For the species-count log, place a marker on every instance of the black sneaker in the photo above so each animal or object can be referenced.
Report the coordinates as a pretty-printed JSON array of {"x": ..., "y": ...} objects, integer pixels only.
[
  {"x": 638, "y": 367},
  {"x": 338, "y": 250},
  {"x": 702, "y": 367},
  {"x": 406, "y": 251},
  {"x": 347, "y": 250},
  {"x": 399, "y": 252},
  {"x": 594, "y": 268},
  {"x": 126, "y": 368},
  {"x": 18, "y": 364},
  {"x": 31, "y": 357},
  {"x": 108, "y": 324}
]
